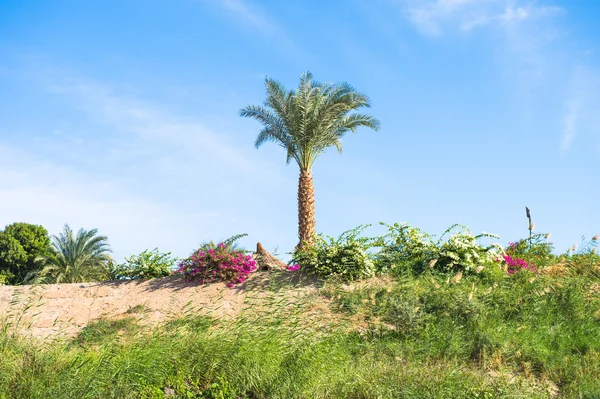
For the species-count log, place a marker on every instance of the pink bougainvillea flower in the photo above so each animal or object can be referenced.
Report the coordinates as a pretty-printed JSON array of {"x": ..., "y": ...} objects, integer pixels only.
[
  {"x": 516, "y": 264},
  {"x": 217, "y": 264}
]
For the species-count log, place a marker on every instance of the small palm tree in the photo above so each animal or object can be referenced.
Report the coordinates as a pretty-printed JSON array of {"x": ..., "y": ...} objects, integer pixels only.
[
  {"x": 77, "y": 258},
  {"x": 306, "y": 122}
]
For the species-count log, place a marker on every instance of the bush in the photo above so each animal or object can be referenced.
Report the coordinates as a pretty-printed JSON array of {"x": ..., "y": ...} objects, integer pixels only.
[
  {"x": 148, "y": 264},
  {"x": 217, "y": 264},
  {"x": 346, "y": 257},
  {"x": 463, "y": 252},
  {"x": 537, "y": 249},
  {"x": 24, "y": 248},
  {"x": 405, "y": 248}
]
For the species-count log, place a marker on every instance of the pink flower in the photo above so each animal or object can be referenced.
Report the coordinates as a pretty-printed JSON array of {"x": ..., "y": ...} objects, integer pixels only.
[{"x": 293, "y": 268}]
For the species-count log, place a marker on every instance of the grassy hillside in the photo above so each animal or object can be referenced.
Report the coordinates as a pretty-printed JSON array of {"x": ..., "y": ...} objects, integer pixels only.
[{"x": 431, "y": 335}]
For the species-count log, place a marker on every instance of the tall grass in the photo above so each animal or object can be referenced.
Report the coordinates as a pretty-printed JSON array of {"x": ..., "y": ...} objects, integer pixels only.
[{"x": 490, "y": 336}]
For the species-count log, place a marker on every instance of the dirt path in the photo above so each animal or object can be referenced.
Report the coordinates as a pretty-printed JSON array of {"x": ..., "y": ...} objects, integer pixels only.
[{"x": 64, "y": 309}]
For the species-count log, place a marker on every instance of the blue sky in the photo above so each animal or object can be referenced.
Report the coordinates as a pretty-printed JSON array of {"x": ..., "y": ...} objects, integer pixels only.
[{"x": 122, "y": 116}]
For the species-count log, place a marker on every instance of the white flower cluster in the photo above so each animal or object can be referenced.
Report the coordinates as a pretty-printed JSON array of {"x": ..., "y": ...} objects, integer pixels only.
[
  {"x": 462, "y": 251},
  {"x": 410, "y": 246}
]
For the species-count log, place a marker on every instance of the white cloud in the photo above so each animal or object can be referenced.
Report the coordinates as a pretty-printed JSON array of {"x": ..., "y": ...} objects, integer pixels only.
[
  {"x": 152, "y": 124},
  {"x": 440, "y": 16},
  {"x": 44, "y": 193},
  {"x": 145, "y": 177},
  {"x": 570, "y": 122},
  {"x": 534, "y": 50},
  {"x": 250, "y": 14},
  {"x": 581, "y": 115}
]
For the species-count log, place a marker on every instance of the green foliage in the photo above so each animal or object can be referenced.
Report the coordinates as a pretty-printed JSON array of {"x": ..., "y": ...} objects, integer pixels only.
[
  {"x": 404, "y": 248},
  {"x": 308, "y": 120},
  {"x": 78, "y": 258},
  {"x": 148, "y": 264},
  {"x": 536, "y": 250},
  {"x": 407, "y": 249},
  {"x": 23, "y": 248},
  {"x": 463, "y": 252},
  {"x": 346, "y": 257}
]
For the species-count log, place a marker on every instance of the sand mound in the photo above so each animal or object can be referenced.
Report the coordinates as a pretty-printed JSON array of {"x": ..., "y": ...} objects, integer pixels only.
[{"x": 56, "y": 310}]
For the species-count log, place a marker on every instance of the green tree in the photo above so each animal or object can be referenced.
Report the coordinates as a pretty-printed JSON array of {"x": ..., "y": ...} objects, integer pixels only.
[
  {"x": 23, "y": 248},
  {"x": 306, "y": 122},
  {"x": 78, "y": 258}
]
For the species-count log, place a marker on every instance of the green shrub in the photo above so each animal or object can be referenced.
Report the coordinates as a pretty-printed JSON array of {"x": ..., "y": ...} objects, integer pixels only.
[
  {"x": 404, "y": 248},
  {"x": 346, "y": 257},
  {"x": 407, "y": 249},
  {"x": 148, "y": 264},
  {"x": 5, "y": 277},
  {"x": 463, "y": 252},
  {"x": 24, "y": 248},
  {"x": 536, "y": 249}
]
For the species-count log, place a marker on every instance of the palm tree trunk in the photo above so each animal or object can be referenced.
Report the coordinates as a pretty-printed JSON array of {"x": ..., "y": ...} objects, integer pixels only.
[{"x": 306, "y": 208}]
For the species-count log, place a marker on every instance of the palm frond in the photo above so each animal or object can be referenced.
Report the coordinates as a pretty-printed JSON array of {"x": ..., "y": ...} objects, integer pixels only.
[
  {"x": 77, "y": 258},
  {"x": 309, "y": 119}
]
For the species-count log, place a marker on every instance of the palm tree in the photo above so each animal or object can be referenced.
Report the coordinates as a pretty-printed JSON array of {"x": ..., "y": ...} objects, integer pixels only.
[
  {"x": 77, "y": 258},
  {"x": 305, "y": 122}
]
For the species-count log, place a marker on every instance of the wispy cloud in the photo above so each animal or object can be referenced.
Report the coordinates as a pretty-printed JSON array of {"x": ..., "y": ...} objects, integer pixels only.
[
  {"x": 441, "y": 16},
  {"x": 42, "y": 192},
  {"x": 152, "y": 123},
  {"x": 250, "y": 14},
  {"x": 581, "y": 115},
  {"x": 526, "y": 38},
  {"x": 144, "y": 175}
]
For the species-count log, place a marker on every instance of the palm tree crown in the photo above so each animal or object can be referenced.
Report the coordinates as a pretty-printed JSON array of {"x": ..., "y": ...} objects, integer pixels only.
[
  {"x": 305, "y": 122},
  {"x": 78, "y": 257}
]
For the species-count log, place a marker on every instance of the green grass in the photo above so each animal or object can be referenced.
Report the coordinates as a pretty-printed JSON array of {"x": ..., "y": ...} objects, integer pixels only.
[{"x": 487, "y": 336}]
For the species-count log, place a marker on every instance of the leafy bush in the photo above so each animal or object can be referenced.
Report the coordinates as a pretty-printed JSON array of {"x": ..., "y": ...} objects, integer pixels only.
[
  {"x": 148, "y": 264},
  {"x": 536, "y": 249},
  {"x": 217, "y": 264},
  {"x": 406, "y": 248},
  {"x": 346, "y": 257},
  {"x": 23, "y": 250},
  {"x": 463, "y": 252}
]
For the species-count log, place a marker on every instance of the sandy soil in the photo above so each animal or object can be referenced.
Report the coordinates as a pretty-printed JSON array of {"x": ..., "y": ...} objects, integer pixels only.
[{"x": 57, "y": 310}]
